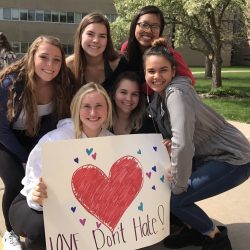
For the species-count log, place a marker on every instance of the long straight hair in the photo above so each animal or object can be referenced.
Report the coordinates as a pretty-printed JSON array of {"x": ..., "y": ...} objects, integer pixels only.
[
  {"x": 77, "y": 62},
  {"x": 133, "y": 52}
]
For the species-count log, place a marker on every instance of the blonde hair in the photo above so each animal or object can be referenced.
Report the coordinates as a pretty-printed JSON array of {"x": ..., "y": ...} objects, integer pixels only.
[{"x": 76, "y": 105}]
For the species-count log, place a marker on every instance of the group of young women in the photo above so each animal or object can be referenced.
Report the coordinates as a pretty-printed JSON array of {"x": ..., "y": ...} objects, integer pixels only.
[{"x": 99, "y": 92}]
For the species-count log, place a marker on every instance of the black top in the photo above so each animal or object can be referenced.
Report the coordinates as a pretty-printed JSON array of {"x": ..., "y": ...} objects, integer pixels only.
[
  {"x": 110, "y": 75},
  {"x": 149, "y": 126}
]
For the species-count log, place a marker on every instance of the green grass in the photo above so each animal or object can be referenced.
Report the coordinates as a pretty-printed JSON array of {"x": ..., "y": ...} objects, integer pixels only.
[{"x": 236, "y": 84}]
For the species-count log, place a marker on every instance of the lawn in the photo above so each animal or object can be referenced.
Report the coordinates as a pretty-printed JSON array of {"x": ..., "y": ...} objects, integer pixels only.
[{"x": 235, "y": 80}]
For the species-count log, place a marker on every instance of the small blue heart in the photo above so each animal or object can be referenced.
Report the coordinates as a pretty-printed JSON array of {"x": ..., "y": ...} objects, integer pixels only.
[
  {"x": 140, "y": 207},
  {"x": 76, "y": 160},
  {"x": 139, "y": 152},
  {"x": 73, "y": 209},
  {"x": 154, "y": 187},
  {"x": 154, "y": 168},
  {"x": 162, "y": 178},
  {"x": 155, "y": 148},
  {"x": 89, "y": 151}
]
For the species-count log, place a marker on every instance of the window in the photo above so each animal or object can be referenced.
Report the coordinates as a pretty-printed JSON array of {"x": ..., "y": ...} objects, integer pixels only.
[
  {"x": 70, "y": 49},
  {"x": 47, "y": 16},
  {"x": 70, "y": 17},
  {"x": 15, "y": 14},
  {"x": 78, "y": 17},
  {"x": 55, "y": 16},
  {"x": 24, "y": 47},
  {"x": 31, "y": 15},
  {"x": 39, "y": 15},
  {"x": 23, "y": 14},
  {"x": 16, "y": 47},
  {"x": 63, "y": 17},
  {"x": 1, "y": 13},
  {"x": 6, "y": 14}
]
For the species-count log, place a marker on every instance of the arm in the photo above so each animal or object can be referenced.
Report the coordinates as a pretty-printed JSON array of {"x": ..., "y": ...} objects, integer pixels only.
[
  {"x": 32, "y": 175},
  {"x": 39, "y": 192},
  {"x": 34, "y": 187},
  {"x": 7, "y": 137},
  {"x": 182, "y": 119}
]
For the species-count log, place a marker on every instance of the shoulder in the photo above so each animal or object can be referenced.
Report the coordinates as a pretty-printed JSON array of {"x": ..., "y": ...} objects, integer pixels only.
[
  {"x": 106, "y": 132},
  {"x": 119, "y": 62},
  {"x": 69, "y": 61},
  {"x": 8, "y": 80},
  {"x": 64, "y": 130},
  {"x": 124, "y": 46},
  {"x": 179, "y": 83}
]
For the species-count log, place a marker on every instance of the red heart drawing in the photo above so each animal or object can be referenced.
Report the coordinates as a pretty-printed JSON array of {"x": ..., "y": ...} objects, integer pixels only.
[{"x": 107, "y": 198}]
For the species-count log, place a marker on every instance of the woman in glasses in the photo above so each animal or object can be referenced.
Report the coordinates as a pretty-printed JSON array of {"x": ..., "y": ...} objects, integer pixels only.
[{"x": 145, "y": 27}]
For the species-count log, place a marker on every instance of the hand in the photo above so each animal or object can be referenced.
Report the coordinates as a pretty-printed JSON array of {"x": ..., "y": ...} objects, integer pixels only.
[
  {"x": 39, "y": 192},
  {"x": 168, "y": 144},
  {"x": 170, "y": 176}
]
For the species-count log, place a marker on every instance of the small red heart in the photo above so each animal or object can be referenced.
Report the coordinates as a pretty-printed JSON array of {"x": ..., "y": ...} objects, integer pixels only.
[
  {"x": 94, "y": 156},
  {"x": 107, "y": 198}
]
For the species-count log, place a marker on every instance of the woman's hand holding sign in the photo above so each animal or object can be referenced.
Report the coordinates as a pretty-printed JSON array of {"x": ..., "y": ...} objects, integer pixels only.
[{"x": 40, "y": 192}]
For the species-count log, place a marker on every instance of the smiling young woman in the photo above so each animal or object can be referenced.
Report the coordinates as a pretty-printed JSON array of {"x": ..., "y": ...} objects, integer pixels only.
[
  {"x": 146, "y": 26},
  {"x": 94, "y": 58},
  {"x": 35, "y": 92},
  {"x": 208, "y": 155},
  {"x": 91, "y": 115}
]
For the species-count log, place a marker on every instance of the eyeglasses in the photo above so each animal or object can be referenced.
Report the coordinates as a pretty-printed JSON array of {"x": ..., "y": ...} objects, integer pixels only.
[{"x": 146, "y": 26}]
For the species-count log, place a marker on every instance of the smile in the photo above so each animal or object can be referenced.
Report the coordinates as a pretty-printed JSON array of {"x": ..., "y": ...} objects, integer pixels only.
[{"x": 48, "y": 71}]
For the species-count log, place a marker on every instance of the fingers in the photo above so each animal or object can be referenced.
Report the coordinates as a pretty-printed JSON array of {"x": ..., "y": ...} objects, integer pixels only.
[
  {"x": 168, "y": 144},
  {"x": 169, "y": 176},
  {"x": 39, "y": 192}
]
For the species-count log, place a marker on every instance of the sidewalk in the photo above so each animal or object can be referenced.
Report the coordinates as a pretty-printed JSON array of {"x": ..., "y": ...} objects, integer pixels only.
[{"x": 231, "y": 209}]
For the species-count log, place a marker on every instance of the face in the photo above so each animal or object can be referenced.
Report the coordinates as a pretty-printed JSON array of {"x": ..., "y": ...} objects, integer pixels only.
[
  {"x": 147, "y": 30},
  {"x": 127, "y": 96},
  {"x": 94, "y": 39},
  {"x": 93, "y": 113},
  {"x": 47, "y": 61},
  {"x": 158, "y": 73}
]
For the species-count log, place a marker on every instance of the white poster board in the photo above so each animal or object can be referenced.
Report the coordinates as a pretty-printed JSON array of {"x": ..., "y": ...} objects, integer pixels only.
[{"x": 106, "y": 192}]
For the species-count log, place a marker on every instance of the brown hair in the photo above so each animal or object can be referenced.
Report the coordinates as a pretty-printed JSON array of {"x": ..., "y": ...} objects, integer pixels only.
[
  {"x": 77, "y": 62},
  {"x": 138, "y": 114},
  {"x": 24, "y": 69},
  {"x": 160, "y": 48}
]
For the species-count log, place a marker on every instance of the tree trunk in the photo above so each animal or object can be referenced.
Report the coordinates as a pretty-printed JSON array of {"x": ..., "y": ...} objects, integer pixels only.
[
  {"x": 217, "y": 65},
  {"x": 208, "y": 67}
]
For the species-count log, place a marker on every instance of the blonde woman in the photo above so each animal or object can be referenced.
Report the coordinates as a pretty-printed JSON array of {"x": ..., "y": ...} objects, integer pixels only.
[{"x": 91, "y": 113}]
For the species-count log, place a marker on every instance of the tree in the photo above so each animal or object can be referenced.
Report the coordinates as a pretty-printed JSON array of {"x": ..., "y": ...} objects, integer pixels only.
[{"x": 206, "y": 26}]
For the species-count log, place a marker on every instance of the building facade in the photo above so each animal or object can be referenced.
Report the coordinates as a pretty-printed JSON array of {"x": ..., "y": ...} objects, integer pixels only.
[{"x": 24, "y": 20}]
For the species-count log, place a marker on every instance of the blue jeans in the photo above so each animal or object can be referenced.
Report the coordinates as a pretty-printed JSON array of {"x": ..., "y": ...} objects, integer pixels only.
[{"x": 210, "y": 179}]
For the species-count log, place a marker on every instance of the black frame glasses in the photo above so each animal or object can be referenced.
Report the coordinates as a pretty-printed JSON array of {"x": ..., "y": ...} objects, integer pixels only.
[{"x": 146, "y": 26}]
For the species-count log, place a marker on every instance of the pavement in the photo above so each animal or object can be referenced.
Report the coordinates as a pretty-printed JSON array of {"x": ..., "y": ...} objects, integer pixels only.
[{"x": 231, "y": 208}]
